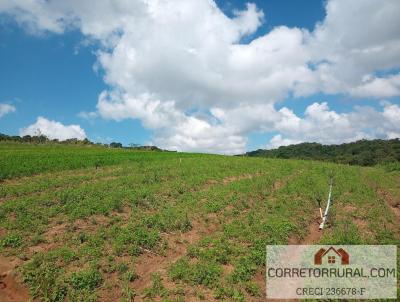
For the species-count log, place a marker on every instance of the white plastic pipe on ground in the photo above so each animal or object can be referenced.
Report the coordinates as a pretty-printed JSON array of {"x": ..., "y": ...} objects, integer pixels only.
[{"x": 321, "y": 226}]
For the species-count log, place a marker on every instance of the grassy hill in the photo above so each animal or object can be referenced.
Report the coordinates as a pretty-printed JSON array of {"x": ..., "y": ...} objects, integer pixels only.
[
  {"x": 363, "y": 152},
  {"x": 97, "y": 224}
]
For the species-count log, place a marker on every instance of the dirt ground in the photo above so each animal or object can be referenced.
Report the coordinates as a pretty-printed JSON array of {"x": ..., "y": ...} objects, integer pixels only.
[{"x": 11, "y": 289}]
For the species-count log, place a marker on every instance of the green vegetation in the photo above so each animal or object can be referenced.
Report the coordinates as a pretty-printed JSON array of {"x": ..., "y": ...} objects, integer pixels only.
[
  {"x": 19, "y": 159},
  {"x": 27, "y": 155},
  {"x": 363, "y": 152},
  {"x": 168, "y": 226}
]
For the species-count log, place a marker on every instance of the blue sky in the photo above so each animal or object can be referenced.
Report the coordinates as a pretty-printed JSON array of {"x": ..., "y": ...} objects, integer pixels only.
[
  {"x": 50, "y": 72},
  {"x": 53, "y": 76}
]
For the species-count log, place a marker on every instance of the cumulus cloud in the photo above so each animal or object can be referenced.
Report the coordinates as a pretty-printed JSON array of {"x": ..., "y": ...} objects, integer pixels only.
[
  {"x": 322, "y": 125},
  {"x": 355, "y": 40},
  {"x": 182, "y": 69},
  {"x": 174, "y": 129},
  {"x": 53, "y": 130},
  {"x": 6, "y": 108},
  {"x": 277, "y": 141},
  {"x": 378, "y": 87}
]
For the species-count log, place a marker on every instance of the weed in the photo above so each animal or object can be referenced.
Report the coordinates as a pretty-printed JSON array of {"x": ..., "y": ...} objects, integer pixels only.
[
  {"x": 130, "y": 276},
  {"x": 199, "y": 273},
  {"x": 128, "y": 293},
  {"x": 244, "y": 270},
  {"x": 122, "y": 268},
  {"x": 252, "y": 289},
  {"x": 86, "y": 279},
  {"x": 346, "y": 233},
  {"x": 157, "y": 288},
  {"x": 45, "y": 278},
  {"x": 11, "y": 240},
  {"x": 223, "y": 292}
]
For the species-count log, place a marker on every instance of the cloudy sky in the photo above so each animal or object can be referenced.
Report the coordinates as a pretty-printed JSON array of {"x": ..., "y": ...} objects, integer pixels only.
[{"x": 201, "y": 75}]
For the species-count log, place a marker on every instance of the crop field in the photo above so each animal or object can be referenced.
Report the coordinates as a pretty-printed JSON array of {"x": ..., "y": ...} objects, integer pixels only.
[{"x": 96, "y": 224}]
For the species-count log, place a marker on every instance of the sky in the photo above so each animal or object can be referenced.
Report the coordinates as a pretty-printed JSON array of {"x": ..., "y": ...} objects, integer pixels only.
[{"x": 200, "y": 75}]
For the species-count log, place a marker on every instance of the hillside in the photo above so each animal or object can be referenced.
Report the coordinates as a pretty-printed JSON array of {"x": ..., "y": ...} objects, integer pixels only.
[
  {"x": 23, "y": 159},
  {"x": 98, "y": 224},
  {"x": 363, "y": 152}
]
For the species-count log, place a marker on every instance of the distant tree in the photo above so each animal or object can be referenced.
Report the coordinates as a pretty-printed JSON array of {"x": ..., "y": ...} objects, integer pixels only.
[
  {"x": 40, "y": 139},
  {"x": 71, "y": 141},
  {"x": 3, "y": 137},
  {"x": 115, "y": 145},
  {"x": 16, "y": 138},
  {"x": 27, "y": 138}
]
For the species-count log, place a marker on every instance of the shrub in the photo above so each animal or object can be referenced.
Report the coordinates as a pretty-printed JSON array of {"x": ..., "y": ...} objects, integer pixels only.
[
  {"x": 122, "y": 268},
  {"x": 12, "y": 240},
  {"x": 87, "y": 279}
]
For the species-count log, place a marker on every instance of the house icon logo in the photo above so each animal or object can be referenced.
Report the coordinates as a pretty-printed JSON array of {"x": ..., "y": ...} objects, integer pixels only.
[{"x": 331, "y": 256}]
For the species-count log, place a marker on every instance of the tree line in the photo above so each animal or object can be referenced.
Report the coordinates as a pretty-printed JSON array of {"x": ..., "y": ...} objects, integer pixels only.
[
  {"x": 362, "y": 152},
  {"x": 42, "y": 139}
]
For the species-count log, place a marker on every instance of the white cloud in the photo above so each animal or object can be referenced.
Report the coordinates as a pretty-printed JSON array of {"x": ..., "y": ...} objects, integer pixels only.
[
  {"x": 355, "y": 40},
  {"x": 320, "y": 124},
  {"x": 6, "y": 108},
  {"x": 378, "y": 87},
  {"x": 180, "y": 67},
  {"x": 53, "y": 130},
  {"x": 91, "y": 115},
  {"x": 277, "y": 141},
  {"x": 174, "y": 129},
  {"x": 248, "y": 20}
]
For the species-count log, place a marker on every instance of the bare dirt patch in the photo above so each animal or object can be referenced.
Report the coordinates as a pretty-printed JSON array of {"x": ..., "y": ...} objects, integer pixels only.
[
  {"x": 393, "y": 203},
  {"x": 89, "y": 224},
  {"x": 259, "y": 279},
  {"x": 279, "y": 184},
  {"x": 11, "y": 289},
  {"x": 55, "y": 231},
  {"x": 349, "y": 208},
  {"x": 229, "y": 179},
  {"x": 42, "y": 247},
  {"x": 112, "y": 293},
  {"x": 314, "y": 234},
  {"x": 361, "y": 224}
]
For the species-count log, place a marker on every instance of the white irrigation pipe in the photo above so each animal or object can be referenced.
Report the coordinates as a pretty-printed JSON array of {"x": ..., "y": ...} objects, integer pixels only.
[{"x": 321, "y": 226}]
